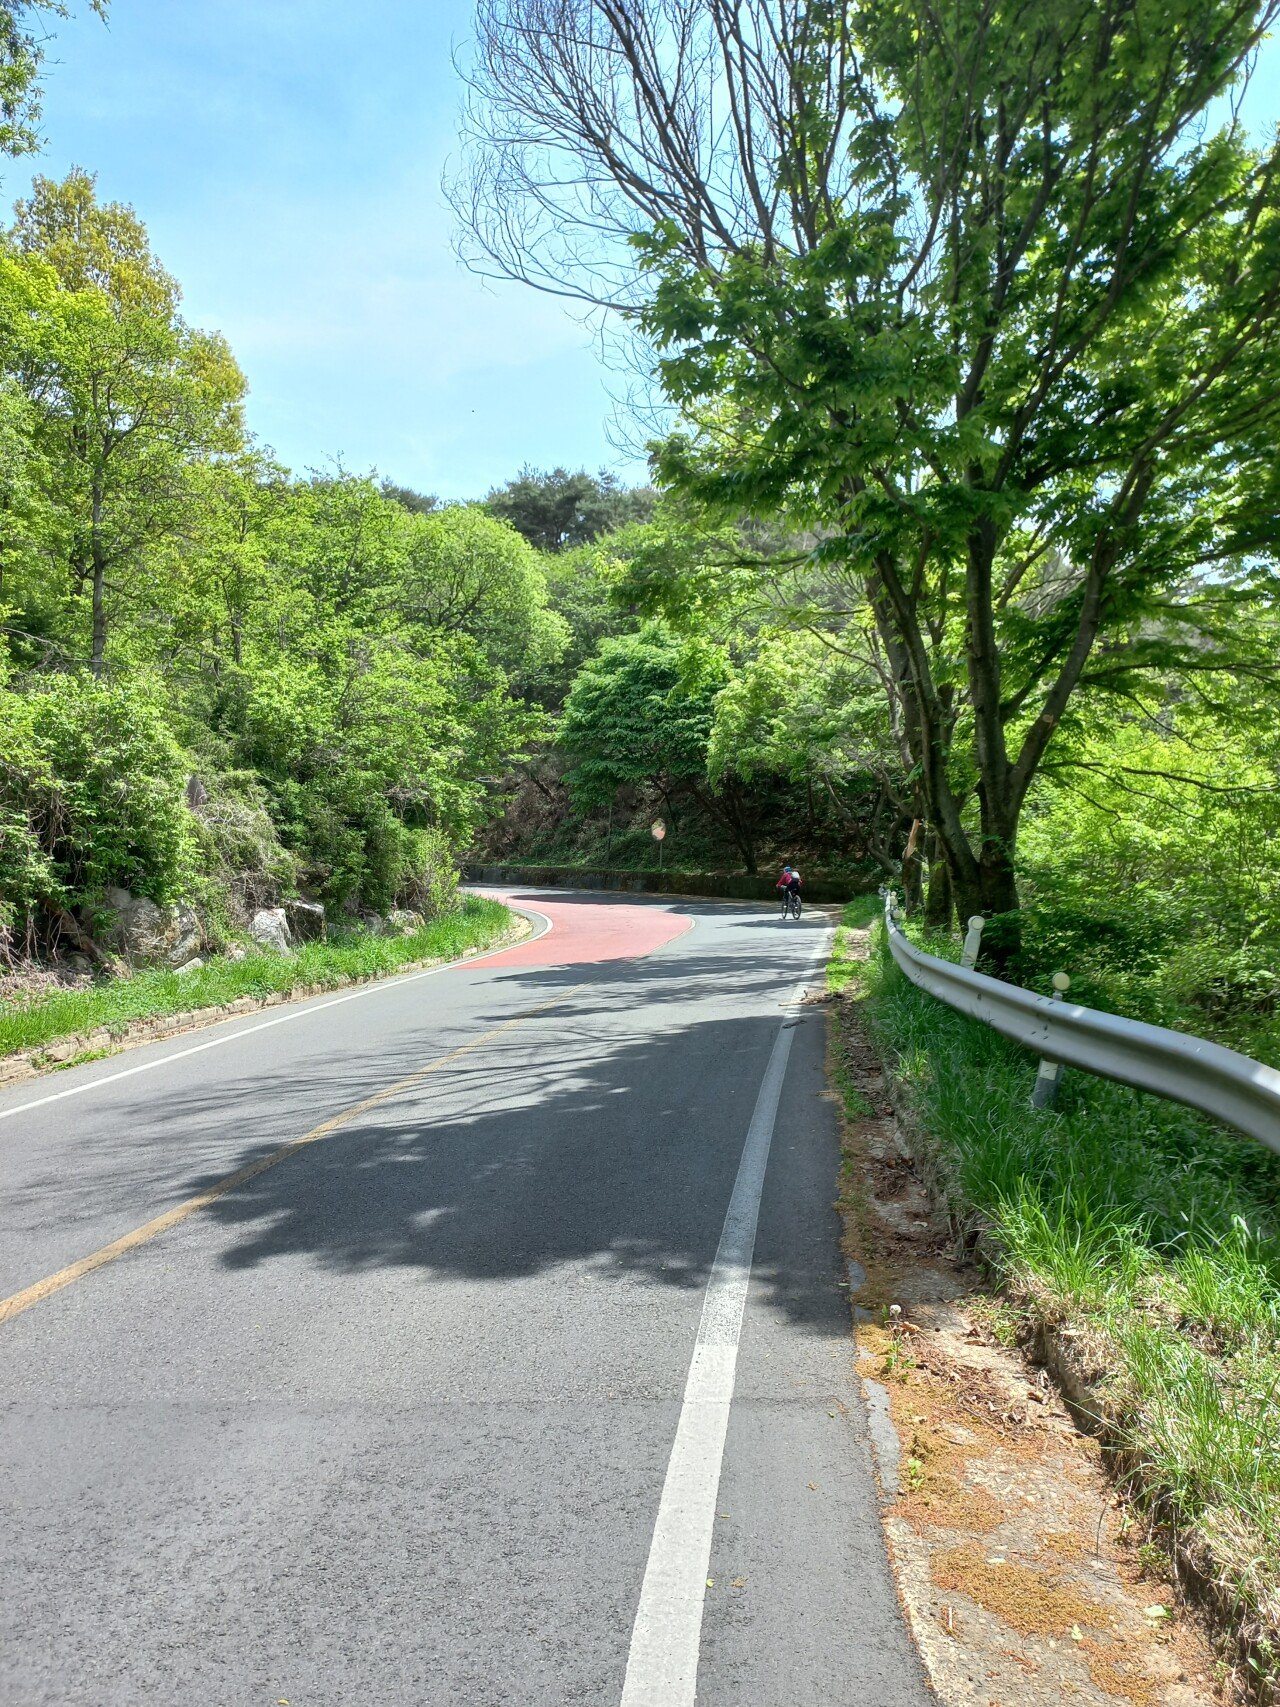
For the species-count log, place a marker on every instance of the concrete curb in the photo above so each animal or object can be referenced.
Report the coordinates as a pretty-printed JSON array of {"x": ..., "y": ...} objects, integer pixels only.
[{"x": 111, "y": 1040}]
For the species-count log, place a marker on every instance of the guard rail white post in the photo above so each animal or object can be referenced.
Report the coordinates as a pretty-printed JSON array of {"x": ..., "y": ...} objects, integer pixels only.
[
  {"x": 1050, "y": 1072},
  {"x": 972, "y": 941}
]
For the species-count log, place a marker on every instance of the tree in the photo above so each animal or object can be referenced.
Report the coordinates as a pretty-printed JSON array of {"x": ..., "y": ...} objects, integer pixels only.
[
  {"x": 466, "y": 573},
  {"x": 417, "y": 503},
  {"x": 560, "y": 510},
  {"x": 21, "y": 58},
  {"x": 813, "y": 720},
  {"x": 977, "y": 294},
  {"x": 639, "y": 714},
  {"x": 126, "y": 395}
]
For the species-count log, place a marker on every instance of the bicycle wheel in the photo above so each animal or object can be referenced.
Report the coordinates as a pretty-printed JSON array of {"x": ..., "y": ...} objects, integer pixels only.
[{"x": 795, "y": 906}]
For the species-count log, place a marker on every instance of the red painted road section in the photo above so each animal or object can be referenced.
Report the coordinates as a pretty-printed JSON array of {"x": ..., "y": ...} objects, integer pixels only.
[{"x": 583, "y": 932}]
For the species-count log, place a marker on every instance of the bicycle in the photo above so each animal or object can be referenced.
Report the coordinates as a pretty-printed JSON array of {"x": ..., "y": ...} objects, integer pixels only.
[{"x": 790, "y": 903}]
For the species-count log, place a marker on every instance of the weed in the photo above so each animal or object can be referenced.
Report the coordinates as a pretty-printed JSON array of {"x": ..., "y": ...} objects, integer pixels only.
[
  {"x": 1153, "y": 1237},
  {"x": 317, "y": 965}
]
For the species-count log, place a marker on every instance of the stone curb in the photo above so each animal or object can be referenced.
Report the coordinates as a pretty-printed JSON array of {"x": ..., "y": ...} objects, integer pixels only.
[{"x": 104, "y": 1040}]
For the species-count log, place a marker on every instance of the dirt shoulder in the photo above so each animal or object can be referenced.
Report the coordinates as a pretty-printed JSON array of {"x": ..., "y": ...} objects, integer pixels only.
[{"x": 1023, "y": 1576}]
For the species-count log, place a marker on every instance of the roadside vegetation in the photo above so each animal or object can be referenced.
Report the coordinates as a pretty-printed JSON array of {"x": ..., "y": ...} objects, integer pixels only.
[
  {"x": 960, "y": 570},
  {"x": 347, "y": 958},
  {"x": 1144, "y": 1242}
]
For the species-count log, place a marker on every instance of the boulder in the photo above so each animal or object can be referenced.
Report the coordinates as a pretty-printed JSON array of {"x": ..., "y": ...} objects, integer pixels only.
[
  {"x": 236, "y": 951},
  {"x": 188, "y": 934},
  {"x": 404, "y": 922},
  {"x": 270, "y": 929},
  {"x": 190, "y": 966},
  {"x": 139, "y": 929},
  {"x": 373, "y": 923},
  {"x": 306, "y": 920},
  {"x": 142, "y": 931}
]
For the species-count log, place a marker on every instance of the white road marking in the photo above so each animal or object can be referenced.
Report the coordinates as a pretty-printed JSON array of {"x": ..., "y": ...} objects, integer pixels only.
[
  {"x": 298, "y": 1012},
  {"x": 662, "y": 1664}
]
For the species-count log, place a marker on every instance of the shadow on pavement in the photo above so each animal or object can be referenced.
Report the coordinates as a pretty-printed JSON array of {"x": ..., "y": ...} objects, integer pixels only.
[{"x": 597, "y": 1132}]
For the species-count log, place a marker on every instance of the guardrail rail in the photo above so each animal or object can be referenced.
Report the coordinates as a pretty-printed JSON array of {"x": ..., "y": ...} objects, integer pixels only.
[{"x": 1172, "y": 1064}]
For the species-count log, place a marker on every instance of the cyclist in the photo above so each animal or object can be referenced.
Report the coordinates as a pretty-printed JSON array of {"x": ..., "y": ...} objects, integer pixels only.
[{"x": 789, "y": 883}]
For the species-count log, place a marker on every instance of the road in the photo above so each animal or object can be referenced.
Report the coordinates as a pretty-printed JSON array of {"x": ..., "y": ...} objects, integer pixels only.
[{"x": 509, "y": 1386}]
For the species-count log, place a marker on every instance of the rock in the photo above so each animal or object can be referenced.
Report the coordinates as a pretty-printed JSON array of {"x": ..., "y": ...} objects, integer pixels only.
[
  {"x": 190, "y": 966},
  {"x": 139, "y": 929},
  {"x": 405, "y": 922},
  {"x": 142, "y": 931},
  {"x": 236, "y": 951},
  {"x": 189, "y": 935},
  {"x": 306, "y": 920},
  {"x": 79, "y": 963},
  {"x": 373, "y": 923},
  {"x": 270, "y": 929}
]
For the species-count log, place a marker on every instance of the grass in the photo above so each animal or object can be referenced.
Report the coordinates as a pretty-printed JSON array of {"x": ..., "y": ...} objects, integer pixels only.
[
  {"x": 1147, "y": 1233},
  {"x": 346, "y": 958}
]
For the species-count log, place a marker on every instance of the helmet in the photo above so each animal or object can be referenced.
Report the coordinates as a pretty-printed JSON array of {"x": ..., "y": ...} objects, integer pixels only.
[{"x": 786, "y": 868}]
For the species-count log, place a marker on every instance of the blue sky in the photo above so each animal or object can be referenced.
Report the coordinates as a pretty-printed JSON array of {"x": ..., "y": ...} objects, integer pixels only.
[{"x": 286, "y": 156}]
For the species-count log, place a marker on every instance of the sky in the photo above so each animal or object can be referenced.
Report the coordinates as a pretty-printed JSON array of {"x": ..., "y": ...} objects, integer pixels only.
[{"x": 286, "y": 156}]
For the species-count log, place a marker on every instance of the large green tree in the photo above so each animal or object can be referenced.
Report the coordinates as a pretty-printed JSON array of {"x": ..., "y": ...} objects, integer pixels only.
[
  {"x": 988, "y": 296},
  {"x": 127, "y": 397}
]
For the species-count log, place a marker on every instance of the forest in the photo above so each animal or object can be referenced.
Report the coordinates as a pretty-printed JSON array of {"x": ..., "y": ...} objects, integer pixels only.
[{"x": 1008, "y": 638}]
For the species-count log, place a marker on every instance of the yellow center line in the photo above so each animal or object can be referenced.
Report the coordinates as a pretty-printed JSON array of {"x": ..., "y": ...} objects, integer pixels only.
[{"x": 42, "y": 1289}]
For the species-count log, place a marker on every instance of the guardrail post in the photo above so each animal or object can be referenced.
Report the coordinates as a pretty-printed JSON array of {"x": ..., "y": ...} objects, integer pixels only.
[
  {"x": 1046, "y": 1088},
  {"x": 972, "y": 941}
]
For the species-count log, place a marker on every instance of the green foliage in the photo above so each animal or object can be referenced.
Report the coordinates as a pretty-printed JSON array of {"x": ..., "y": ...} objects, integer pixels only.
[
  {"x": 90, "y": 794},
  {"x": 1151, "y": 871},
  {"x": 558, "y": 511},
  {"x": 22, "y": 44},
  {"x": 640, "y": 712},
  {"x": 340, "y": 668},
  {"x": 981, "y": 304}
]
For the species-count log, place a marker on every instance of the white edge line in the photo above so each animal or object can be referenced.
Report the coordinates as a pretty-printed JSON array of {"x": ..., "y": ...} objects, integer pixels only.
[
  {"x": 299, "y": 1011},
  {"x": 666, "y": 1638}
]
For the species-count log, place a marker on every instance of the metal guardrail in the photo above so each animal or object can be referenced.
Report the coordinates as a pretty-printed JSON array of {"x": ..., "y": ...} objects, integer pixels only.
[{"x": 1171, "y": 1064}]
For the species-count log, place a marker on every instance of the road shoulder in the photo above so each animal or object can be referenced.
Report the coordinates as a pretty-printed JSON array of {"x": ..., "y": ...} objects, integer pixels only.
[{"x": 1021, "y": 1574}]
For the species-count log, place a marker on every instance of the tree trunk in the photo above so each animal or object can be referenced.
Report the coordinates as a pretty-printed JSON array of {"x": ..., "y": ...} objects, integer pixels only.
[
  {"x": 939, "y": 902},
  {"x": 98, "y": 653},
  {"x": 994, "y": 894},
  {"x": 98, "y": 558},
  {"x": 913, "y": 871}
]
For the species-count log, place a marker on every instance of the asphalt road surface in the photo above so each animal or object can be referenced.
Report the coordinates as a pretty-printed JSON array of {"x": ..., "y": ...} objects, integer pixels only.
[{"x": 525, "y": 1379}]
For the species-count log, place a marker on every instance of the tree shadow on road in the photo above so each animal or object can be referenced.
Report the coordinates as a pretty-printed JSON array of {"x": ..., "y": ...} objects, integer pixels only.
[{"x": 599, "y": 1132}]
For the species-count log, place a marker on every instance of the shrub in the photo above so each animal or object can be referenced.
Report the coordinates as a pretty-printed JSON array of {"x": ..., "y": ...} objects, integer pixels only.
[{"x": 91, "y": 794}]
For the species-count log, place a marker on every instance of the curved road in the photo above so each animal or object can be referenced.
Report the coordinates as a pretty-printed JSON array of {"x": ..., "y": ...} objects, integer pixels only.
[{"x": 469, "y": 1338}]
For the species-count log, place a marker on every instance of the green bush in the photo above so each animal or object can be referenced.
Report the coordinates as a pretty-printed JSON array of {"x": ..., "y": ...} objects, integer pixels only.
[
  {"x": 91, "y": 794},
  {"x": 429, "y": 882},
  {"x": 242, "y": 865}
]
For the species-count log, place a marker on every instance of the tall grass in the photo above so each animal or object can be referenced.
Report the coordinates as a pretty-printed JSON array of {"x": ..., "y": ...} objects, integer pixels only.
[
  {"x": 1153, "y": 1236},
  {"x": 347, "y": 957}
]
